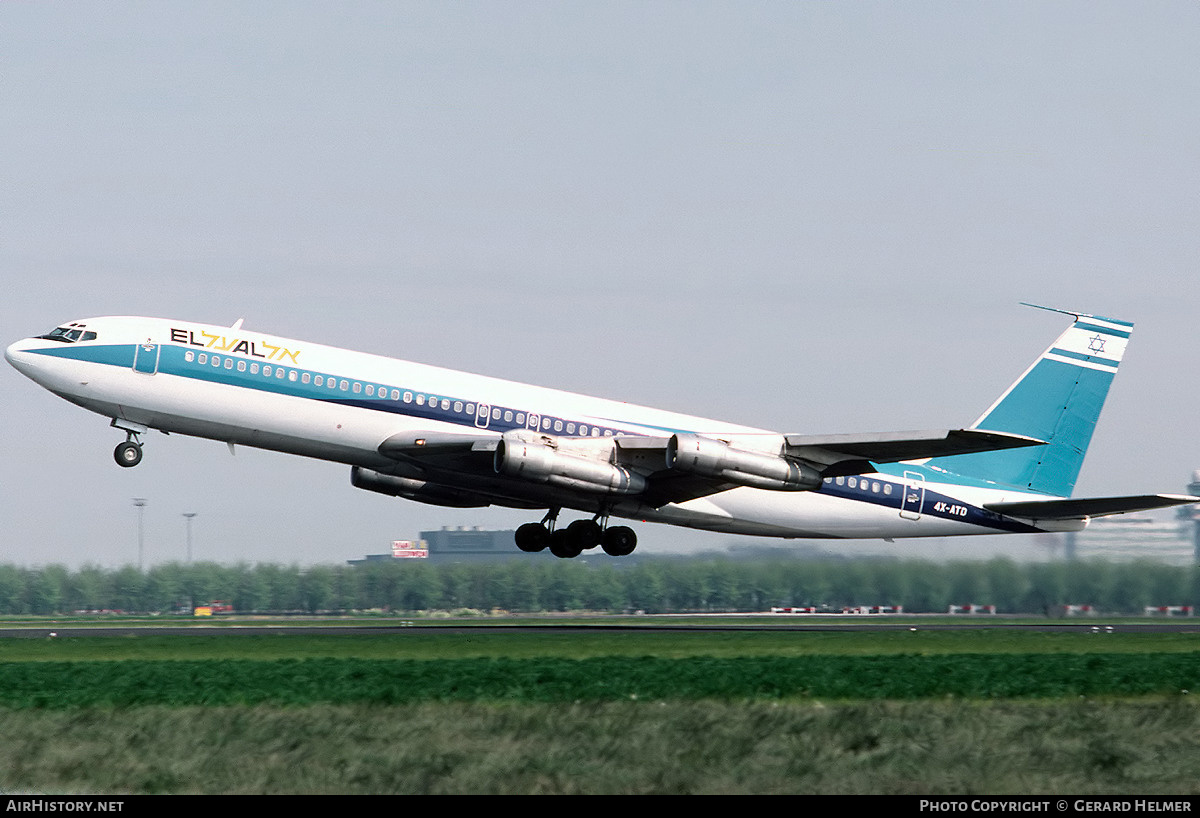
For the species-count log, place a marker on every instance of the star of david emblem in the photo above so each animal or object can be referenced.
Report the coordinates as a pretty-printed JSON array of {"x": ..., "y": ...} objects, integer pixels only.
[{"x": 1096, "y": 343}]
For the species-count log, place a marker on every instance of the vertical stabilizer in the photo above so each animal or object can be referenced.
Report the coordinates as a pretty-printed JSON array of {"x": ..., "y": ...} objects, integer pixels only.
[{"x": 1058, "y": 399}]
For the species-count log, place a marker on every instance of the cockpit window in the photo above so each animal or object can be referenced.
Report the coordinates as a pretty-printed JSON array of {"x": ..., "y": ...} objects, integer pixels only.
[
  {"x": 60, "y": 334},
  {"x": 69, "y": 335}
]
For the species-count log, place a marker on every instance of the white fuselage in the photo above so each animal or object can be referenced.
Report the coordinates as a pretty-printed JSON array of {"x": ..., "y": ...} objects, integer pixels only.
[{"x": 252, "y": 389}]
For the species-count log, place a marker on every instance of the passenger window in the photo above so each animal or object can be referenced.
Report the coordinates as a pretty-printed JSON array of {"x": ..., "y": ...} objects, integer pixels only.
[
  {"x": 558, "y": 425},
  {"x": 292, "y": 375},
  {"x": 216, "y": 361},
  {"x": 508, "y": 416},
  {"x": 241, "y": 366},
  {"x": 229, "y": 363},
  {"x": 203, "y": 358},
  {"x": 395, "y": 394},
  {"x": 318, "y": 381},
  {"x": 253, "y": 369},
  {"x": 266, "y": 371},
  {"x": 370, "y": 390},
  {"x": 344, "y": 385},
  {"x": 189, "y": 356},
  {"x": 420, "y": 400},
  {"x": 306, "y": 377},
  {"x": 408, "y": 397},
  {"x": 495, "y": 414},
  {"x": 458, "y": 406},
  {"x": 445, "y": 403},
  {"x": 279, "y": 372}
]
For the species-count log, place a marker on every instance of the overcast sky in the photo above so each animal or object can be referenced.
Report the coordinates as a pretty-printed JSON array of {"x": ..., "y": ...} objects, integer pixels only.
[{"x": 811, "y": 217}]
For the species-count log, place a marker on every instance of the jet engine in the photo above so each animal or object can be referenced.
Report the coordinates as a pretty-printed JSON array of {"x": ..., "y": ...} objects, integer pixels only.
[
  {"x": 709, "y": 457},
  {"x": 419, "y": 490},
  {"x": 517, "y": 456}
]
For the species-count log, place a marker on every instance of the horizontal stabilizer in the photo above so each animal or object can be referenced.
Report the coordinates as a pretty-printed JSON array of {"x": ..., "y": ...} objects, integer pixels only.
[
  {"x": 856, "y": 451},
  {"x": 1089, "y": 506}
]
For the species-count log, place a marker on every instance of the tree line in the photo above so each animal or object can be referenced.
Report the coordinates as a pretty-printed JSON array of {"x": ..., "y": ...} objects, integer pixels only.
[{"x": 651, "y": 585}]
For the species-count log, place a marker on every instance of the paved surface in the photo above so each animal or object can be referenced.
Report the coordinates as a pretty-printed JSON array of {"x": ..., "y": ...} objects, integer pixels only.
[{"x": 655, "y": 624}]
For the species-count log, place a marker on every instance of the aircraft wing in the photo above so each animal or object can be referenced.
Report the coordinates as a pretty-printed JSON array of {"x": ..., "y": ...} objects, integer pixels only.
[
  {"x": 821, "y": 455},
  {"x": 1088, "y": 506},
  {"x": 830, "y": 455},
  {"x": 854, "y": 453}
]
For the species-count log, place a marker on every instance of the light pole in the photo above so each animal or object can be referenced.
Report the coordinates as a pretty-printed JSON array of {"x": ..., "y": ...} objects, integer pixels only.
[
  {"x": 140, "y": 502},
  {"x": 188, "y": 515}
]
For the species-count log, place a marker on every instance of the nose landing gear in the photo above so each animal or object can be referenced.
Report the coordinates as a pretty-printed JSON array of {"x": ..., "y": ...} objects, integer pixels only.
[{"x": 129, "y": 453}]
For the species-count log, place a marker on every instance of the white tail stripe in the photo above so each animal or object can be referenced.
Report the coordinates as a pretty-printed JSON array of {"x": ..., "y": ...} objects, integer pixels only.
[{"x": 1102, "y": 366}]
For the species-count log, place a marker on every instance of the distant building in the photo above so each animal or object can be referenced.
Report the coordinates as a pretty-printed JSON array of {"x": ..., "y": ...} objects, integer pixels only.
[
  {"x": 1174, "y": 540},
  {"x": 455, "y": 545},
  {"x": 471, "y": 545},
  {"x": 1127, "y": 537},
  {"x": 461, "y": 544}
]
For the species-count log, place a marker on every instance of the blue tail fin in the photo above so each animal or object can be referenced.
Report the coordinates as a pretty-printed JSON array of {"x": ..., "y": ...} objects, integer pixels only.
[{"x": 1058, "y": 399}]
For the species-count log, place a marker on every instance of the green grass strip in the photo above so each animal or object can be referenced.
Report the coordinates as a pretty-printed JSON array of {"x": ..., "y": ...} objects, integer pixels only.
[{"x": 309, "y": 681}]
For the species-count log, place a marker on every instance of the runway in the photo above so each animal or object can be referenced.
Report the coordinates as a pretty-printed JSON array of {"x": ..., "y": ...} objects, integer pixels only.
[{"x": 768, "y": 624}]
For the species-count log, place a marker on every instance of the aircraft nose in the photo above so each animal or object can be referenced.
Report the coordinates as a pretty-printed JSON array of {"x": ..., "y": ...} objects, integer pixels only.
[{"x": 17, "y": 354}]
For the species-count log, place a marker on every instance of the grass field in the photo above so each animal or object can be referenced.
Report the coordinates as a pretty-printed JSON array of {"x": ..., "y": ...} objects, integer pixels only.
[{"x": 597, "y": 711}]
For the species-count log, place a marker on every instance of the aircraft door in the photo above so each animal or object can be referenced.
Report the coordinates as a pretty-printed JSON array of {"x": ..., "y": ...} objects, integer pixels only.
[
  {"x": 913, "y": 497},
  {"x": 145, "y": 357},
  {"x": 483, "y": 415}
]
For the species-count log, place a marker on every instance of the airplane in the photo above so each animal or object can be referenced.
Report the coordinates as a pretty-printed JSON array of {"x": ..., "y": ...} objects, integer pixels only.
[{"x": 456, "y": 439}]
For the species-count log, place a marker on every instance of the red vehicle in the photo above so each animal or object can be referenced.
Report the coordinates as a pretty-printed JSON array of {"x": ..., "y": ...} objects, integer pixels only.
[{"x": 217, "y": 606}]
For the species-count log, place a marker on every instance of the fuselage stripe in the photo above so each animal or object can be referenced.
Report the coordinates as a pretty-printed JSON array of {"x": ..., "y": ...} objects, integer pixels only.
[{"x": 241, "y": 372}]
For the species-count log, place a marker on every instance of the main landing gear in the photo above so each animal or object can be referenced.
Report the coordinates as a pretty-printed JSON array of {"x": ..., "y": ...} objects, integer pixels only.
[{"x": 579, "y": 536}]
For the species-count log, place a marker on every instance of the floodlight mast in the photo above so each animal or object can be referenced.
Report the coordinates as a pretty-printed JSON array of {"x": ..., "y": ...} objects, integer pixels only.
[
  {"x": 140, "y": 502},
  {"x": 188, "y": 515}
]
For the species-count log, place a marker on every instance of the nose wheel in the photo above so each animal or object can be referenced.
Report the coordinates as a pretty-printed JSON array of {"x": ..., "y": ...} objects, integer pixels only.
[{"x": 128, "y": 454}]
